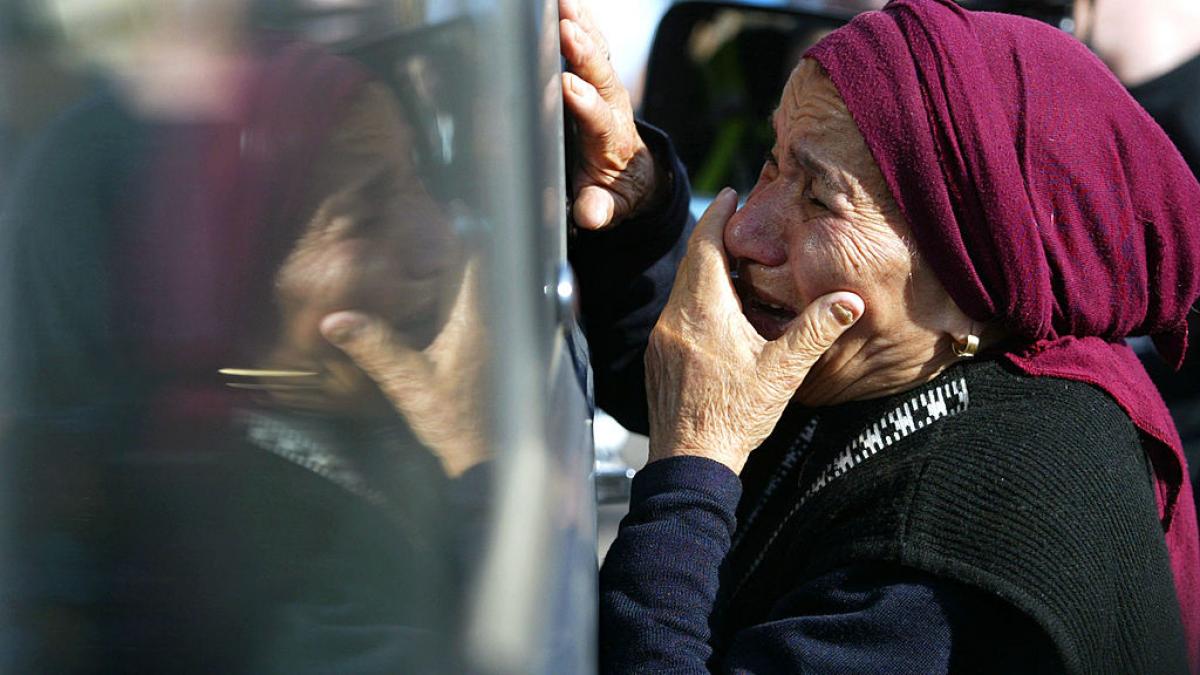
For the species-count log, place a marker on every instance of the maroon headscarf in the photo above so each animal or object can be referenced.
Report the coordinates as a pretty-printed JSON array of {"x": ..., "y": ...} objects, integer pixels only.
[{"x": 1045, "y": 199}]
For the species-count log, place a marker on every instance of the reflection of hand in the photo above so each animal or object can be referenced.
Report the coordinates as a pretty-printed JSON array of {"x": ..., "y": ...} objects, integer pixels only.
[
  {"x": 437, "y": 388},
  {"x": 616, "y": 176},
  {"x": 716, "y": 388}
]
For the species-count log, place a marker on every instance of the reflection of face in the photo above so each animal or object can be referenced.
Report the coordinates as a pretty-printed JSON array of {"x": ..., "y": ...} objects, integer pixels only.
[
  {"x": 378, "y": 243},
  {"x": 381, "y": 247},
  {"x": 821, "y": 219}
]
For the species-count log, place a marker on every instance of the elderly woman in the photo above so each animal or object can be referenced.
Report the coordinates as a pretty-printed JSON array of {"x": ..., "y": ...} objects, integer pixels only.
[{"x": 894, "y": 424}]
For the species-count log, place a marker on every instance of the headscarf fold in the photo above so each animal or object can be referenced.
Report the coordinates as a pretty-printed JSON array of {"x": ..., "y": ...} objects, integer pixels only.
[{"x": 1046, "y": 200}]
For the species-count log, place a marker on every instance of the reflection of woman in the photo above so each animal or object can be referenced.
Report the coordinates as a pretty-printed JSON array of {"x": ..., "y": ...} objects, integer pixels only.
[
  {"x": 957, "y": 463},
  {"x": 302, "y": 536},
  {"x": 205, "y": 482},
  {"x": 374, "y": 587}
]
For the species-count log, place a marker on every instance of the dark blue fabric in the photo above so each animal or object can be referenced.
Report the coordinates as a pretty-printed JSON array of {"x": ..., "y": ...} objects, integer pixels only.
[
  {"x": 659, "y": 598},
  {"x": 625, "y": 275},
  {"x": 659, "y": 580}
]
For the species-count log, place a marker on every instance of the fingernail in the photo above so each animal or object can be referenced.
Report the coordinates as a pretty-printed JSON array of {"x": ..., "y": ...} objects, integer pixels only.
[
  {"x": 843, "y": 314},
  {"x": 725, "y": 192},
  {"x": 581, "y": 89},
  {"x": 598, "y": 214},
  {"x": 341, "y": 328}
]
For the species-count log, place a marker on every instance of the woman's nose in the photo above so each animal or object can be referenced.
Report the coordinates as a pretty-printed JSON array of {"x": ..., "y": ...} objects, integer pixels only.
[{"x": 755, "y": 234}]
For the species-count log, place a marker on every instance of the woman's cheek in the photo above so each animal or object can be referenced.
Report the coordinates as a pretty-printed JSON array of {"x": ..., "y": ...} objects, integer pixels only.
[
  {"x": 866, "y": 252},
  {"x": 822, "y": 264}
]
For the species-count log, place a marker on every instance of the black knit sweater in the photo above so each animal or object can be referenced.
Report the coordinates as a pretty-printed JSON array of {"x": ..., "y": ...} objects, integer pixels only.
[
  {"x": 979, "y": 523},
  {"x": 1033, "y": 489}
]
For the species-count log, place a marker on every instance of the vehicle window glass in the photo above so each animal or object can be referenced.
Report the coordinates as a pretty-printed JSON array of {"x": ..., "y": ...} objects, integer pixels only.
[{"x": 277, "y": 336}]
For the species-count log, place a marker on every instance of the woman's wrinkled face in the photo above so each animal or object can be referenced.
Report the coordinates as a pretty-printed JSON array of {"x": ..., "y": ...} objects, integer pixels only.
[{"x": 821, "y": 219}]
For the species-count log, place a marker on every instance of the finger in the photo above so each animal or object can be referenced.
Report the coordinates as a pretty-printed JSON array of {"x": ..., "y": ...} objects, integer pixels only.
[
  {"x": 464, "y": 326},
  {"x": 708, "y": 240},
  {"x": 593, "y": 116},
  {"x": 704, "y": 272},
  {"x": 466, "y": 302},
  {"x": 580, "y": 12},
  {"x": 594, "y": 207},
  {"x": 809, "y": 336},
  {"x": 570, "y": 9},
  {"x": 398, "y": 370},
  {"x": 589, "y": 60}
]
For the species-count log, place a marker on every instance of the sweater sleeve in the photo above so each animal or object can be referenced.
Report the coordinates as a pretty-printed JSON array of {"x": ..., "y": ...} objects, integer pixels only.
[
  {"x": 625, "y": 274},
  {"x": 659, "y": 582},
  {"x": 660, "y": 578}
]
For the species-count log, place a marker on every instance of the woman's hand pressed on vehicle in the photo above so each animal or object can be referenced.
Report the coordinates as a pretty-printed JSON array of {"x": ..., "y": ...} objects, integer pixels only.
[
  {"x": 436, "y": 389},
  {"x": 616, "y": 176}
]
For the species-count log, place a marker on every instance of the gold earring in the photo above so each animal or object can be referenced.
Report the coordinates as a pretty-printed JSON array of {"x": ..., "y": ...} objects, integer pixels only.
[{"x": 966, "y": 347}]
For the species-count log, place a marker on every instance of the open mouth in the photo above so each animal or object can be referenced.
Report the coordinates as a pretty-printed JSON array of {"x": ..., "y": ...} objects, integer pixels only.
[{"x": 769, "y": 316}]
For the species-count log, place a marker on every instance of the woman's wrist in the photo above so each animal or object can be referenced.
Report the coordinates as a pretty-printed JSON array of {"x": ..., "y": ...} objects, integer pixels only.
[
  {"x": 735, "y": 461},
  {"x": 655, "y": 183}
]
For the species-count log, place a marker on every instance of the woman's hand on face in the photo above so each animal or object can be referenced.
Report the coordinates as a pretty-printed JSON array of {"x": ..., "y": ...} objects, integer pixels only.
[
  {"x": 616, "y": 176},
  {"x": 716, "y": 388},
  {"x": 436, "y": 389}
]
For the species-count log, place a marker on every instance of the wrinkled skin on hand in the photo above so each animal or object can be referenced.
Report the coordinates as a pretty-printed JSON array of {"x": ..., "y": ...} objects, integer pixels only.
[
  {"x": 616, "y": 176},
  {"x": 437, "y": 388},
  {"x": 716, "y": 387},
  {"x": 375, "y": 298}
]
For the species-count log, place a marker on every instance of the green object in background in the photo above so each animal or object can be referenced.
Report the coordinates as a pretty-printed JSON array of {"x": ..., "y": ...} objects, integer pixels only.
[{"x": 715, "y": 172}]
